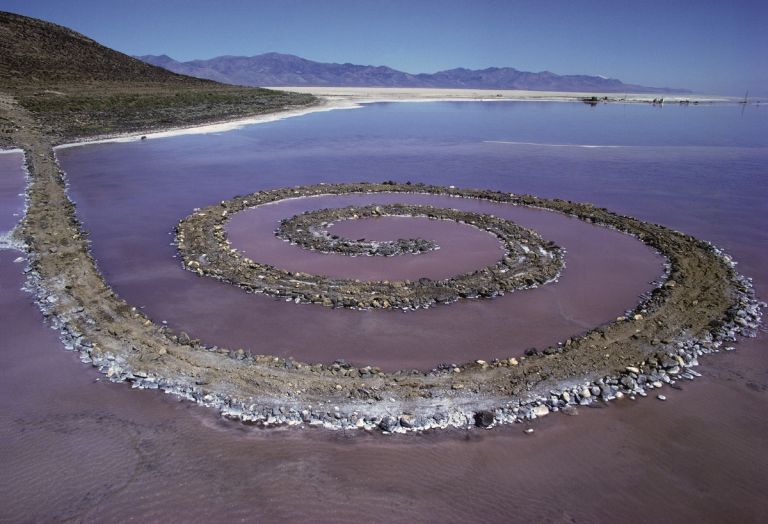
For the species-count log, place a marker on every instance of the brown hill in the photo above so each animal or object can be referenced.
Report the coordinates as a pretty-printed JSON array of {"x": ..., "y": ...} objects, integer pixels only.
[
  {"x": 36, "y": 52},
  {"x": 76, "y": 87}
]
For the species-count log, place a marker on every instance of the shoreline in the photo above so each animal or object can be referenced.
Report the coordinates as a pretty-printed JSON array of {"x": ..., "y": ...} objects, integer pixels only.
[
  {"x": 220, "y": 126},
  {"x": 417, "y": 94},
  {"x": 334, "y": 98}
]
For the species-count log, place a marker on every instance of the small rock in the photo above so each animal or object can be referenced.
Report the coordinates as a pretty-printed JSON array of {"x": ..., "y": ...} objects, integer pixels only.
[
  {"x": 541, "y": 411},
  {"x": 484, "y": 419},
  {"x": 661, "y": 397},
  {"x": 388, "y": 423},
  {"x": 628, "y": 382}
]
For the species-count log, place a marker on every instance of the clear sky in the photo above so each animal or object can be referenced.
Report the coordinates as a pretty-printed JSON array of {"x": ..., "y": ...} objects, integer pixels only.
[{"x": 718, "y": 47}]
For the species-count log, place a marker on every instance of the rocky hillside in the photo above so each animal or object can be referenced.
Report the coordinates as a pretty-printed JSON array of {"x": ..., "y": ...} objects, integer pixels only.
[
  {"x": 275, "y": 69},
  {"x": 35, "y": 52},
  {"x": 76, "y": 87}
]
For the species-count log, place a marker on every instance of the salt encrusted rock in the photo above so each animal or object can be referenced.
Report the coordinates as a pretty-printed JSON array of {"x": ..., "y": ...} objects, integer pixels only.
[{"x": 388, "y": 423}]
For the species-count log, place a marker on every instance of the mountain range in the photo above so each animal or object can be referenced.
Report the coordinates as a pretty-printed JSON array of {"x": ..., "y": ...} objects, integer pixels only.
[{"x": 277, "y": 69}]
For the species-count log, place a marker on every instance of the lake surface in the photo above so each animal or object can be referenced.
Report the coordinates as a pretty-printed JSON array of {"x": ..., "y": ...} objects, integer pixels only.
[
  {"x": 11, "y": 190},
  {"x": 75, "y": 447}
]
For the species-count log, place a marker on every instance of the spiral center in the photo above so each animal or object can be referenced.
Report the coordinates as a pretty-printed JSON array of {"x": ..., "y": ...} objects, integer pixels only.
[{"x": 527, "y": 261}]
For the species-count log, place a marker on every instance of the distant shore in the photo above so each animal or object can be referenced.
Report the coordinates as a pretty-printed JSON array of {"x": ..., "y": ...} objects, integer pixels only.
[
  {"x": 332, "y": 98},
  {"x": 400, "y": 94}
]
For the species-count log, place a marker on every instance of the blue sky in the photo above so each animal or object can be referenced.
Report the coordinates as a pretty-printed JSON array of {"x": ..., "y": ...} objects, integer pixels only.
[{"x": 711, "y": 47}]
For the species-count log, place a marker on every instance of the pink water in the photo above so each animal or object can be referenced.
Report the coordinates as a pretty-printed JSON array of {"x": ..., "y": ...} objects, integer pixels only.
[
  {"x": 597, "y": 285},
  {"x": 11, "y": 187},
  {"x": 74, "y": 448}
]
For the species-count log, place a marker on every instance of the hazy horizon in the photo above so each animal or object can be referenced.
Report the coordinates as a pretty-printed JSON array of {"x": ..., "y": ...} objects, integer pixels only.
[{"x": 709, "y": 47}]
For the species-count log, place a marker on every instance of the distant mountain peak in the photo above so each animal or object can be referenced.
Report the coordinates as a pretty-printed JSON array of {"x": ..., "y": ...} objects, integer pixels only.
[{"x": 280, "y": 69}]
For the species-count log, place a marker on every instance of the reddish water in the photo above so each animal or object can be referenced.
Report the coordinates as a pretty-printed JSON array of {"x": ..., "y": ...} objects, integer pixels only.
[
  {"x": 72, "y": 448},
  {"x": 11, "y": 186},
  {"x": 76, "y": 448},
  {"x": 597, "y": 285}
]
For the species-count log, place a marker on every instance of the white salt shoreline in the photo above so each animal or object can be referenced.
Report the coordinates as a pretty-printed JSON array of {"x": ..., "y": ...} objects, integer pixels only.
[
  {"x": 353, "y": 97},
  {"x": 216, "y": 127},
  {"x": 415, "y": 94}
]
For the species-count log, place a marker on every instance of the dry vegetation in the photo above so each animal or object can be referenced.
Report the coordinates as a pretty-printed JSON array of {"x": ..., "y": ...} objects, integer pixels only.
[{"x": 75, "y": 87}]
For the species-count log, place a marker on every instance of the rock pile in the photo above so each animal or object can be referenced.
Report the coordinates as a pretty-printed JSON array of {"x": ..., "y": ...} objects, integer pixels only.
[{"x": 309, "y": 230}]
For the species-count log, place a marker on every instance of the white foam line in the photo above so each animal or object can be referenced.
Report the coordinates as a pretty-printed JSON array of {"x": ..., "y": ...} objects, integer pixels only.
[
  {"x": 453, "y": 99},
  {"x": 11, "y": 151},
  {"x": 9, "y": 242},
  {"x": 588, "y": 146},
  {"x": 219, "y": 127}
]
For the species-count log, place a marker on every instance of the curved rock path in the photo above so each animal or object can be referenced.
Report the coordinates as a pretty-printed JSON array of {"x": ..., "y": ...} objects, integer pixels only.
[
  {"x": 702, "y": 305},
  {"x": 201, "y": 238}
]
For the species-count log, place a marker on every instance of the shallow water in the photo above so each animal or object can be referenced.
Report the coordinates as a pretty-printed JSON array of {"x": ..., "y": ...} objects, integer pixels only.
[
  {"x": 75, "y": 448},
  {"x": 11, "y": 187},
  {"x": 221, "y": 314}
]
